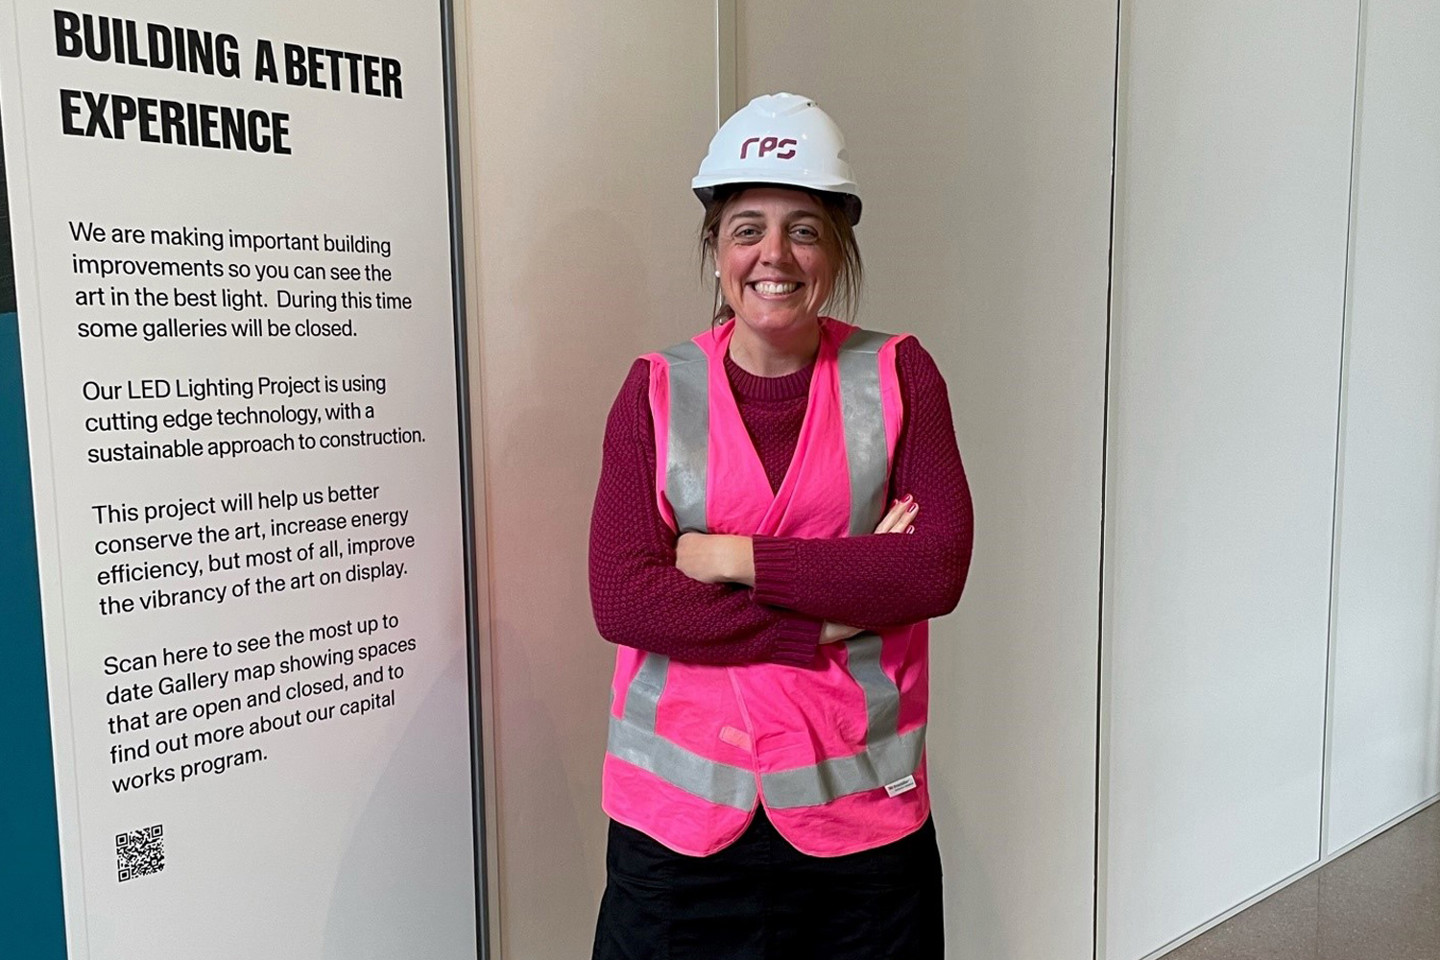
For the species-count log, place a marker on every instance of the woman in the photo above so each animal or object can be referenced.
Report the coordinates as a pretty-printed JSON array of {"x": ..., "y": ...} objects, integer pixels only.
[{"x": 765, "y": 774}]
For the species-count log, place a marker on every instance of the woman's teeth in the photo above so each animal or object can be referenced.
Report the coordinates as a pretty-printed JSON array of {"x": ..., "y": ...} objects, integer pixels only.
[{"x": 771, "y": 288}]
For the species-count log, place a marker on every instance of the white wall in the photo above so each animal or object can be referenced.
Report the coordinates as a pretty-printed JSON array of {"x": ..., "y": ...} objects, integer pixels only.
[
  {"x": 1385, "y": 733},
  {"x": 1230, "y": 238},
  {"x": 980, "y": 134}
]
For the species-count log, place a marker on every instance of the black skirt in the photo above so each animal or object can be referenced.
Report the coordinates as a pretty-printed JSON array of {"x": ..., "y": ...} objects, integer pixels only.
[{"x": 761, "y": 899}]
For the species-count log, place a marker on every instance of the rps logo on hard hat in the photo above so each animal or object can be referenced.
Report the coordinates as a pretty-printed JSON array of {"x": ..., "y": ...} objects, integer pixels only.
[
  {"x": 770, "y": 143},
  {"x": 759, "y": 144}
]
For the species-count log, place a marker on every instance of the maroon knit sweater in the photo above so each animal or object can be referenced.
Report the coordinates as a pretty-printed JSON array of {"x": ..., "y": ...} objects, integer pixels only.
[{"x": 641, "y": 600}]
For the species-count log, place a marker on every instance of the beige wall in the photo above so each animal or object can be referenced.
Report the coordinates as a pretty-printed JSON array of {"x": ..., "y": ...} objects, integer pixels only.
[{"x": 585, "y": 120}]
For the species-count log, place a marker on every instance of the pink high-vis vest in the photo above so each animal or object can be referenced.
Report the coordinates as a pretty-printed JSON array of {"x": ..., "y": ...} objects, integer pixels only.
[{"x": 835, "y": 751}]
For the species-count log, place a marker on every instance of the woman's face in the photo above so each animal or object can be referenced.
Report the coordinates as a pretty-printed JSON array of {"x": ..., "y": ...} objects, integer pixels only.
[{"x": 775, "y": 261}]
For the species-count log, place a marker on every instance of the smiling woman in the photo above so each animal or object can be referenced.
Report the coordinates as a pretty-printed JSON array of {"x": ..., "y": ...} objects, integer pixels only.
[{"x": 765, "y": 770}]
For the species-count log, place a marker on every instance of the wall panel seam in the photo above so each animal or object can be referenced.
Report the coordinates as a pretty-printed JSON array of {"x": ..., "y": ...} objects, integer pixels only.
[
  {"x": 466, "y": 161},
  {"x": 1342, "y": 395},
  {"x": 456, "y": 137},
  {"x": 1102, "y": 780}
]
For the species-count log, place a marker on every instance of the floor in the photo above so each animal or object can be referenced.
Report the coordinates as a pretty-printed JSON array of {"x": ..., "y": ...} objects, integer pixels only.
[{"x": 1381, "y": 901}]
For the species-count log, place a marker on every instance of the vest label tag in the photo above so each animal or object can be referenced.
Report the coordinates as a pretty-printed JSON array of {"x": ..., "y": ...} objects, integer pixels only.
[
  {"x": 734, "y": 737},
  {"x": 900, "y": 786}
]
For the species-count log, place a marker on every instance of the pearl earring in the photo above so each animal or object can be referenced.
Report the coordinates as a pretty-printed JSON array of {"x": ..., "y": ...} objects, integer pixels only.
[{"x": 717, "y": 274}]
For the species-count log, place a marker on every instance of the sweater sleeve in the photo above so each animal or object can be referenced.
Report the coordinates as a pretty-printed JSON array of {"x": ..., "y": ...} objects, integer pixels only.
[
  {"x": 889, "y": 579},
  {"x": 638, "y": 596}
]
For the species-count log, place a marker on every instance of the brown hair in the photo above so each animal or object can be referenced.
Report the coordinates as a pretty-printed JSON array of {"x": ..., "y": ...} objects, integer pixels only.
[{"x": 839, "y": 241}]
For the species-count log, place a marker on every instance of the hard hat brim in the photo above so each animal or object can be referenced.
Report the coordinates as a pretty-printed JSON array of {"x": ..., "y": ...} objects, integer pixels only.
[{"x": 705, "y": 191}]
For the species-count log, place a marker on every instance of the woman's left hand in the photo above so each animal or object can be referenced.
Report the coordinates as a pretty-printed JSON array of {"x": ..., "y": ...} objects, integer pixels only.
[{"x": 716, "y": 558}]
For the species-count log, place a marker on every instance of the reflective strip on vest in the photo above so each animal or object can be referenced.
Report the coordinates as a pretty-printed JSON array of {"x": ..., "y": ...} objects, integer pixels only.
[
  {"x": 888, "y": 756},
  {"x": 864, "y": 413},
  {"x": 688, "y": 435},
  {"x": 633, "y": 738}
]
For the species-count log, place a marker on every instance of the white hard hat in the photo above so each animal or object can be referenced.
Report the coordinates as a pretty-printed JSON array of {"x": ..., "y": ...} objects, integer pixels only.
[{"x": 783, "y": 139}]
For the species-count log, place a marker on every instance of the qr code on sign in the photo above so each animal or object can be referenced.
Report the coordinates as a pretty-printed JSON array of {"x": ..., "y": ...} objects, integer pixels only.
[{"x": 140, "y": 852}]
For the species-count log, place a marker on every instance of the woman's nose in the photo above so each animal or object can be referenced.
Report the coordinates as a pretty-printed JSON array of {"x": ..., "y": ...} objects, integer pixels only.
[{"x": 775, "y": 248}]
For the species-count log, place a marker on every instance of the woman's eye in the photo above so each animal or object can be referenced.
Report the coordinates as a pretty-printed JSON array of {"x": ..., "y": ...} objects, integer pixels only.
[
  {"x": 747, "y": 233},
  {"x": 805, "y": 234}
]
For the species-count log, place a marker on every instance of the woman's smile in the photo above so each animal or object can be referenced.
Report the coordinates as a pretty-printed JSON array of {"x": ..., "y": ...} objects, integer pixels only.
[{"x": 775, "y": 289}]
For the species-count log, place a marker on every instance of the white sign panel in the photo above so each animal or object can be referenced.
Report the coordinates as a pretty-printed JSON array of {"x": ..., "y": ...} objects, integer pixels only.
[{"x": 234, "y": 283}]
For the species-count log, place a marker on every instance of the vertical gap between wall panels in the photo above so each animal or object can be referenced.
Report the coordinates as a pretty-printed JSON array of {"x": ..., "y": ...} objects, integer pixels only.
[
  {"x": 479, "y": 700},
  {"x": 1342, "y": 393},
  {"x": 466, "y": 290},
  {"x": 727, "y": 94},
  {"x": 1101, "y": 652}
]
